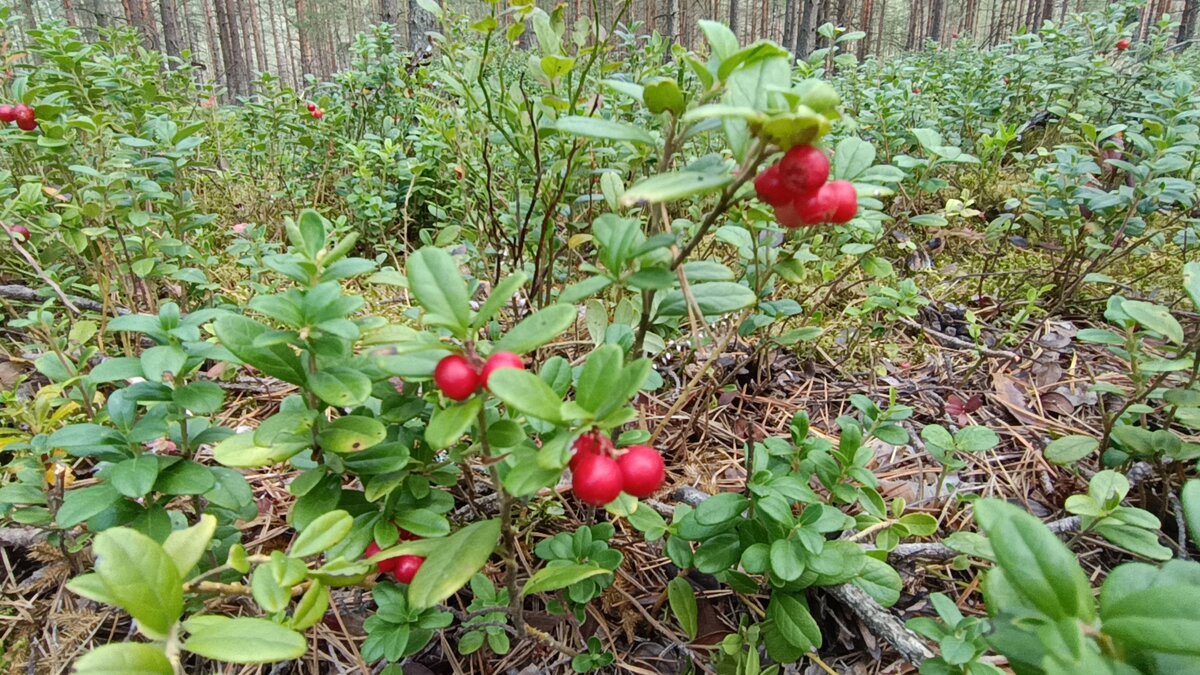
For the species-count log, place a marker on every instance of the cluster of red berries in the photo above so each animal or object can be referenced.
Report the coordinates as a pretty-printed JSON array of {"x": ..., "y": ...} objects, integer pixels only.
[
  {"x": 798, "y": 189},
  {"x": 597, "y": 478},
  {"x": 404, "y": 567},
  {"x": 1123, "y": 44},
  {"x": 315, "y": 111},
  {"x": 23, "y": 115},
  {"x": 459, "y": 378},
  {"x": 19, "y": 232}
]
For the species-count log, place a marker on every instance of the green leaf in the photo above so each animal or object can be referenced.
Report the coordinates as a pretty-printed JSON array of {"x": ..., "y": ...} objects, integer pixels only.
[
  {"x": 120, "y": 368},
  {"x": 423, "y": 523},
  {"x": 202, "y": 398},
  {"x": 683, "y": 604},
  {"x": 526, "y": 393},
  {"x": 713, "y": 298},
  {"x": 1040, "y": 567},
  {"x": 672, "y": 187},
  {"x": 1156, "y": 318},
  {"x": 450, "y": 423},
  {"x": 140, "y": 578},
  {"x": 1070, "y": 449},
  {"x": 135, "y": 477},
  {"x": 312, "y": 606},
  {"x": 437, "y": 283},
  {"x": 501, "y": 294},
  {"x": 602, "y": 129},
  {"x": 537, "y": 329},
  {"x": 352, "y": 433},
  {"x": 1191, "y": 282},
  {"x": 1190, "y": 498},
  {"x": 322, "y": 534},
  {"x": 340, "y": 387},
  {"x": 267, "y": 592},
  {"x": 554, "y": 578},
  {"x": 242, "y": 451},
  {"x": 186, "y": 547},
  {"x": 92, "y": 587},
  {"x": 721, "y": 508},
  {"x": 1162, "y": 618},
  {"x": 80, "y": 505},
  {"x": 184, "y": 477},
  {"x": 244, "y": 640},
  {"x": 852, "y": 157},
  {"x": 976, "y": 439},
  {"x": 794, "y": 622},
  {"x": 452, "y": 564},
  {"x": 129, "y": 658},
  {"x": 880, "y": 581},
  {"x": 663, "y": 95},
  {"x": 158, "y": 361},
  {"x": 786, "y": 561},
  {"x": 238, "y": 334}
]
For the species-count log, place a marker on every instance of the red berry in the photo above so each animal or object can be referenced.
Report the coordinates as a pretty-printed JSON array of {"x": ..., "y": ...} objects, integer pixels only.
[
  {"x": 591, "y": 444},
  {"x": 845, "y": 199},
  {"x": 1123, "y": 44},
  {"x": 384, "y": 566},
  {"x": 456, "y": 377},
  {"x": 917, "y": 91},
  {"x": 771, "y": 188},
  {"x": 814, "y": 208},
  {"x": 788, "y": 216},
  {"x": 20, "y": 232},
  {"x": 500, "y": 361},
  {"x": 24, "y": 112},
  {"x": 8, "y": 113},
  {"x": 643, "y": 470},
  {"x": 318, "y": 114},
  {"x": 405, "y": 535},
  {"x": 405, "y": 568},
  {"x": 597, "y": 480},
  {"x": 804, "y": 168},
  {"x": 26, "y": 124},
  {"x": 312, "y": 107}
]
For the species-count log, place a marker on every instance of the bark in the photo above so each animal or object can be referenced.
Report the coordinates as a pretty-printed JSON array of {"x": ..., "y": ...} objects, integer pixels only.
[
  {"x": 98, "y": 14},
  {"x": 804, "y": 31},
  {"x": 911, "y": 39},
  {"x": 282, "y": 64},
  {"x": 936, "y": 8},
  {"x": 172, "y": 42},
  {"x": 733, "y": 16},
  {"x": 231, "y": 53},
  {"x": 185, "y": 23},
  {"x": 868, "y": 7},
  {"x": 882, "y": 26},
  {"x": 1187, "y": 21},
  {"x": 668, "y": 21},
  {"x": 843, "y": 12},
  {"x": 247, "y": 34},
  {"x": 150, "y": 25},
  {"x": 218, "y": 68},
  {"x": 789, "y": 25},
  {"x": 69, "y": 13},
  {"x": 420, "y": 22},
  {"x": 307, "y": 65},
  {"x": 389, "y": 14},
  {"x": 259, "y": 51}
]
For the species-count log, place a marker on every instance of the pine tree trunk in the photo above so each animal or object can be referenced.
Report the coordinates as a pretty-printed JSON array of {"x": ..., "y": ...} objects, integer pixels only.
[
  {"x": 868, "y": 7},
  {"x": 69, "y": 13},
  {"x": 914, "y": 11},
  {"x": 246, "y": 28},
  {"x": 733, "y": 16},
  {"x": 151, "y": 25},
  {"x": 302, "y": 31},
  {"x": 219, "y": 68},
  {"x": 99, "y": 15},
  {"x": 804, "y": 30},
  {"x": 668, "y": 21},
  {"x": 277, "y": 35},
  {"x": 185, "y": 25},
  {"x": 171, "y": 40},
  {"x": 231, "y": 50},
  {"x": 789, "y": 25},
  {"x": 388, "y": 13},
  {"x": 1187, "y": 21},
  {"x": 259, "y": 51},
  {"x": 420, "y": 22},
  {"x": 882, "y": 26},
  {"x": 936, "y": 7}
]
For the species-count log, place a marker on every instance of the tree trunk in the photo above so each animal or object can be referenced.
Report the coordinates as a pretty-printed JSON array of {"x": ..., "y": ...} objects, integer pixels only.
[
  {"x": 882, "y": 26},
  {"x": 151, "y": 25},
  {"x": 218, "y": 68},
  {"x": 914, "y": 12},
  {"x": 69, "y": 13},
  {"x": 789, "y": 25},
  {"x": 259, "y": 51},
  {"x": 170, "y": 25},
  {"x": 733, "y": 16},
  {"x": 99, "y": 15},
  {"x": 668, "y": 20},
  {"x": 300, "y": 47},
  {"x": 231, "y": 49},
  {"x": 935, "y": 20},
  {"x": 1187, "y": 21},
  {"x": 804, "y": 31},
  {"x": 868, "y": 7},
  {"x": 243, "y": 17},
  {"x": 389, "y": 14},
  {"x": 420, "y": 22},
  {"x": 277, "y": 34},
  {"x": 843, "y": 12},
  {"x": 185, "y": 24}
]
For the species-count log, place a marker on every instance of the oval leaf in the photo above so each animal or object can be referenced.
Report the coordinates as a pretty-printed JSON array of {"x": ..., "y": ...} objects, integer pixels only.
[{"x": 244, "y": 640}]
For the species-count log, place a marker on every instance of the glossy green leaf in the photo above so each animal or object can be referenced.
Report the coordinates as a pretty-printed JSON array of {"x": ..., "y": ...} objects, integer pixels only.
[
  {"x": 452, "y": 564},
  {"x": 538, "y": 329},
  {"x": 140, "y": 578},
  {"x": 553, "y": 578},
  {"x": 187, "y": 546},
  {"x": 435, "y": 280},
  {"x": 672, "y": 187},
  {"x": 682, "y": 598},
  {"x": 244, "y": 640},
  {"x": 128, "y": 658},
  {"x": 526, "y": 393},
  {"x": 322, "y": 534},
  {"x": 602, "y": 129},
  {"x": 450, "y": 423}
]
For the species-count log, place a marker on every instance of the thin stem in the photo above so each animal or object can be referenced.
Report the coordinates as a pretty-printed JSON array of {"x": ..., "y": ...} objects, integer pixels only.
[{"x": 508, "y": 533}]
